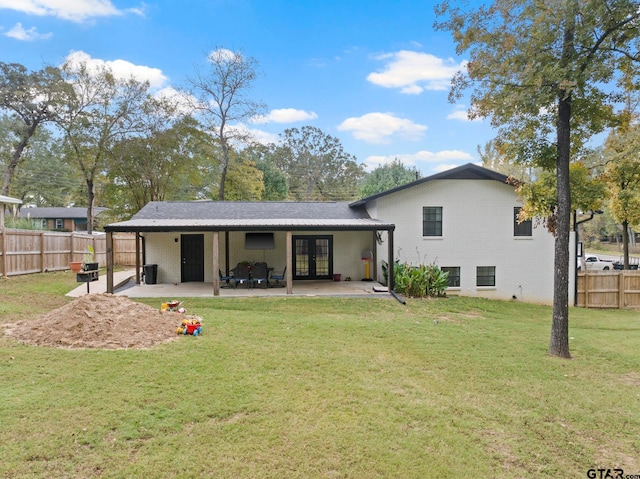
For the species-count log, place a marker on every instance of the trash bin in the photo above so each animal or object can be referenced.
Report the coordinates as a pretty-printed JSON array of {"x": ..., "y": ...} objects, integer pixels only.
[{"x": 150, "y": 272}]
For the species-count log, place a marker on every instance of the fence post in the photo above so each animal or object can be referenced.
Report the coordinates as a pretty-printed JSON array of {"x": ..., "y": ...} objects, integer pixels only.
[
  {"x": 3, "y": 245},
  {"x": 621, "y": 287},
  {"x": 42, "y": 251},
  {"x": 586, "y": 289}
]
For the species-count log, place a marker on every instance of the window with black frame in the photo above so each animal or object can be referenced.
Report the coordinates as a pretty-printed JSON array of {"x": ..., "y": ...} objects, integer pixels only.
[
  {"x": 432, "y": 221},
  {"x": 486, "y": 276},
  {"x": 521, "y": 228},
  {"x": 454, "y": 275}
]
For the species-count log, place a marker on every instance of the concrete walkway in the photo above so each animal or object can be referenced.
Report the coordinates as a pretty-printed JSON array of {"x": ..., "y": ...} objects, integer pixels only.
[{"x": 100, "y": 286}]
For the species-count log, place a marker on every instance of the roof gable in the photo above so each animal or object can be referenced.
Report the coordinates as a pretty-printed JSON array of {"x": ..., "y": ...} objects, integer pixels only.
[{"x": 469, "y": 171}]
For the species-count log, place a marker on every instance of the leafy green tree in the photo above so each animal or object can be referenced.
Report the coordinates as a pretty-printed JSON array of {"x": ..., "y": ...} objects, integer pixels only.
[
  {"x": 167, "y": 162},
  {"x": 244, "y": 182},
  {"x": 317, "y": 167},
  {"x": 387, "y": 176},
  {"x": 545, "y": 72},
  {"x": 540, "y": 197},
  {"x": 45, "y": 179},
  {"x": 273, "y": 179},
  {"x": 622, "y": 176},
  {"x": 31, "y": 99},
  {"x": 221, "y": 102}
]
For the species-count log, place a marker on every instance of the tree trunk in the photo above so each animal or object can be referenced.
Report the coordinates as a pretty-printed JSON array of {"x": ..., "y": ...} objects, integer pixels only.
[
  {"x": 225, "y": 168},
  {"x": 91, "y": 196},
  {"x": 625, "y": 244},
  {"x": 559, "y": 342},
  {"x": 16, "y": 158}
]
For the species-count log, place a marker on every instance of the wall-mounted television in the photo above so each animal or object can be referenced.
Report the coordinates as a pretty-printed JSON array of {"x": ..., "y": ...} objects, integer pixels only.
[{"x": 259, "y": 241}]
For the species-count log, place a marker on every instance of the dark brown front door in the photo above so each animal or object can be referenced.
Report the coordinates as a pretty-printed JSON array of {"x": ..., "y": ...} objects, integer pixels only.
[
  {"x": 192, "y": 258},
  {"x": 313, "y": 257}
]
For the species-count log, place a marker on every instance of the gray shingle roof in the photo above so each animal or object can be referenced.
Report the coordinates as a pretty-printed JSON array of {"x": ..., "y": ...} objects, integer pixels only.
[
  {"x": 75, "y": 212},
  {"x": 231, "y": 215}
]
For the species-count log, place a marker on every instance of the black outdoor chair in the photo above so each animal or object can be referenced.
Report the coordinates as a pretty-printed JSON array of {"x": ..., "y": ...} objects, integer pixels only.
[
  {"x": 241, "y": 275},
  {"x": 260, "y": 274},
  {"x": 279, "y": 276},
  {"x": 225, "y": 280}
]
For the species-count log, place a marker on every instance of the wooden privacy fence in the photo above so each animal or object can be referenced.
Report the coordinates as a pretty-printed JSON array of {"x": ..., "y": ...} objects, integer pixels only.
[
  {"x": 33, "y": 251},
  {"x": 609, "y": 289}
]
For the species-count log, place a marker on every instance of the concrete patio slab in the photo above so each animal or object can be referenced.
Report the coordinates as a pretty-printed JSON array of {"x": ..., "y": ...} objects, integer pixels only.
[{"x": 194, "y": 290}]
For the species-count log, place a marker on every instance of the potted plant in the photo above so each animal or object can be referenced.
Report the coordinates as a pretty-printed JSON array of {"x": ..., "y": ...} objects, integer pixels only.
[
  {"x": 76, "y": 266},
  {"x": 88, "y": 261}
]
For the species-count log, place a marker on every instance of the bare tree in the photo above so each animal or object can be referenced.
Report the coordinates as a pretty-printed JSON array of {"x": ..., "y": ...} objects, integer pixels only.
[
  {"x": 220, "y": 97},
  {"x": 100, "y": 110}
]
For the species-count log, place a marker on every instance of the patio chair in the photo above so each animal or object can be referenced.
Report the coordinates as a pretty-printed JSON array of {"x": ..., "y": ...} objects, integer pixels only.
[
  {"x": 278, "y": 276},
  {"x": 227, "y": 280},
  {"x": 260, "y": 274},
  {"x": 241, "y": 275}
]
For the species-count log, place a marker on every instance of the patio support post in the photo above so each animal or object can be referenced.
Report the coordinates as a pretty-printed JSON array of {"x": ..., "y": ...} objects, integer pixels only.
[
  {"x": 374, "y": 250},
  {"x": 289, "y": 274},
  {"x": 391, "y": 280},
  {"x": 216, "y": 263},
  {"x": 109, "y": 262},
  {"x": 137, "y": 257}
]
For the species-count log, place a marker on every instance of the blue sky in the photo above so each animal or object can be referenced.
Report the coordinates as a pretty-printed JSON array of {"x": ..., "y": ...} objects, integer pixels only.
[{"x": 372, "y": 73}]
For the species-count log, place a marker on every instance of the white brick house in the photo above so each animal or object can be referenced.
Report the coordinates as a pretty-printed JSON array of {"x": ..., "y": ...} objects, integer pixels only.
[{"x": 463, "y": 220}]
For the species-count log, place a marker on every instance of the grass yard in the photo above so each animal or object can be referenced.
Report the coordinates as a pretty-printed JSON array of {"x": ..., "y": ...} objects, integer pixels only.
[{"x": 325, "y": 388}]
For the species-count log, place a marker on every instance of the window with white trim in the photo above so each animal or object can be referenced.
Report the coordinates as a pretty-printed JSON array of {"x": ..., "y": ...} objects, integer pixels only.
[
  {"x": 486, "y": 276},
  {"x": 432, "y": 221},
  {"x": 454, "y": 276},
  {"x": 521, "y": 228}
]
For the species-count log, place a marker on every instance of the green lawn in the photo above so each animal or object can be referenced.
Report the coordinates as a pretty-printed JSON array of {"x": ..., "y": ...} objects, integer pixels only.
[{"x": 325, "y": 388}]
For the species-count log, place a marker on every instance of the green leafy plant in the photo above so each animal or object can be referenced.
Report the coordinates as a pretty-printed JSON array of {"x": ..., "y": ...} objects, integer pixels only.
[
  {"x": 418, "y": 281},
  {"x": 89, "y": 256}
]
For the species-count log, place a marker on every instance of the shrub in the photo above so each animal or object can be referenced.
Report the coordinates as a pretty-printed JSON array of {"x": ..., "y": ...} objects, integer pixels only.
[{"x": 418, "y": 281}]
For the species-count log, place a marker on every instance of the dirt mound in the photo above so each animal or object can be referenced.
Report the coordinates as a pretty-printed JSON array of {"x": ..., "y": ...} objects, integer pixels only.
[{"x": 101, "y": 321}]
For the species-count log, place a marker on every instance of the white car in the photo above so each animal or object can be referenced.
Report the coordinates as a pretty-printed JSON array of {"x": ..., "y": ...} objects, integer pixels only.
[{"x": 594, "y": 263}]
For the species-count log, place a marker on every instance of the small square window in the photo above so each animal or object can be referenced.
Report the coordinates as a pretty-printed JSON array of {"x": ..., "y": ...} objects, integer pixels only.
[
  {"x": 59, "y": 223},
  {"x": 486, "y": 276},
  {"x": 432, "y": 221},
  {"x": 521, "y": 228},
  {"x": 454, "y": 275}
]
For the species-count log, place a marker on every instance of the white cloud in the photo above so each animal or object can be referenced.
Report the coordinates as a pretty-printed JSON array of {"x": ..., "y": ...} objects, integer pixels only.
[
  {"x": 19, "y": 33},
  {"x": 380, "y": 127},
  {"x": 461, "y": 114},
  {"x": 72, "y": 10},
  {"x": 120, "y": 68},
  {"x": 413, "y": 72},
  {"x": 285, "y": 115},
  {"x": 423, "y": 156},
  {"x": 223, "y": 55}
]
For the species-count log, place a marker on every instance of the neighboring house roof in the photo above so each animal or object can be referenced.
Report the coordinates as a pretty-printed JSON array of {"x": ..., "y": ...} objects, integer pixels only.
[
  {"x": 232, "y": 215},
  {"x": 75, "y": 212},
  {"x": 9, "y": 201},
  {"x": 469, "y": 171}
]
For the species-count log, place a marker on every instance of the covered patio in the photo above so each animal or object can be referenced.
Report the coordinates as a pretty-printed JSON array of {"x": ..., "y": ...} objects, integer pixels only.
[{"x": 219, "y": 223}]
